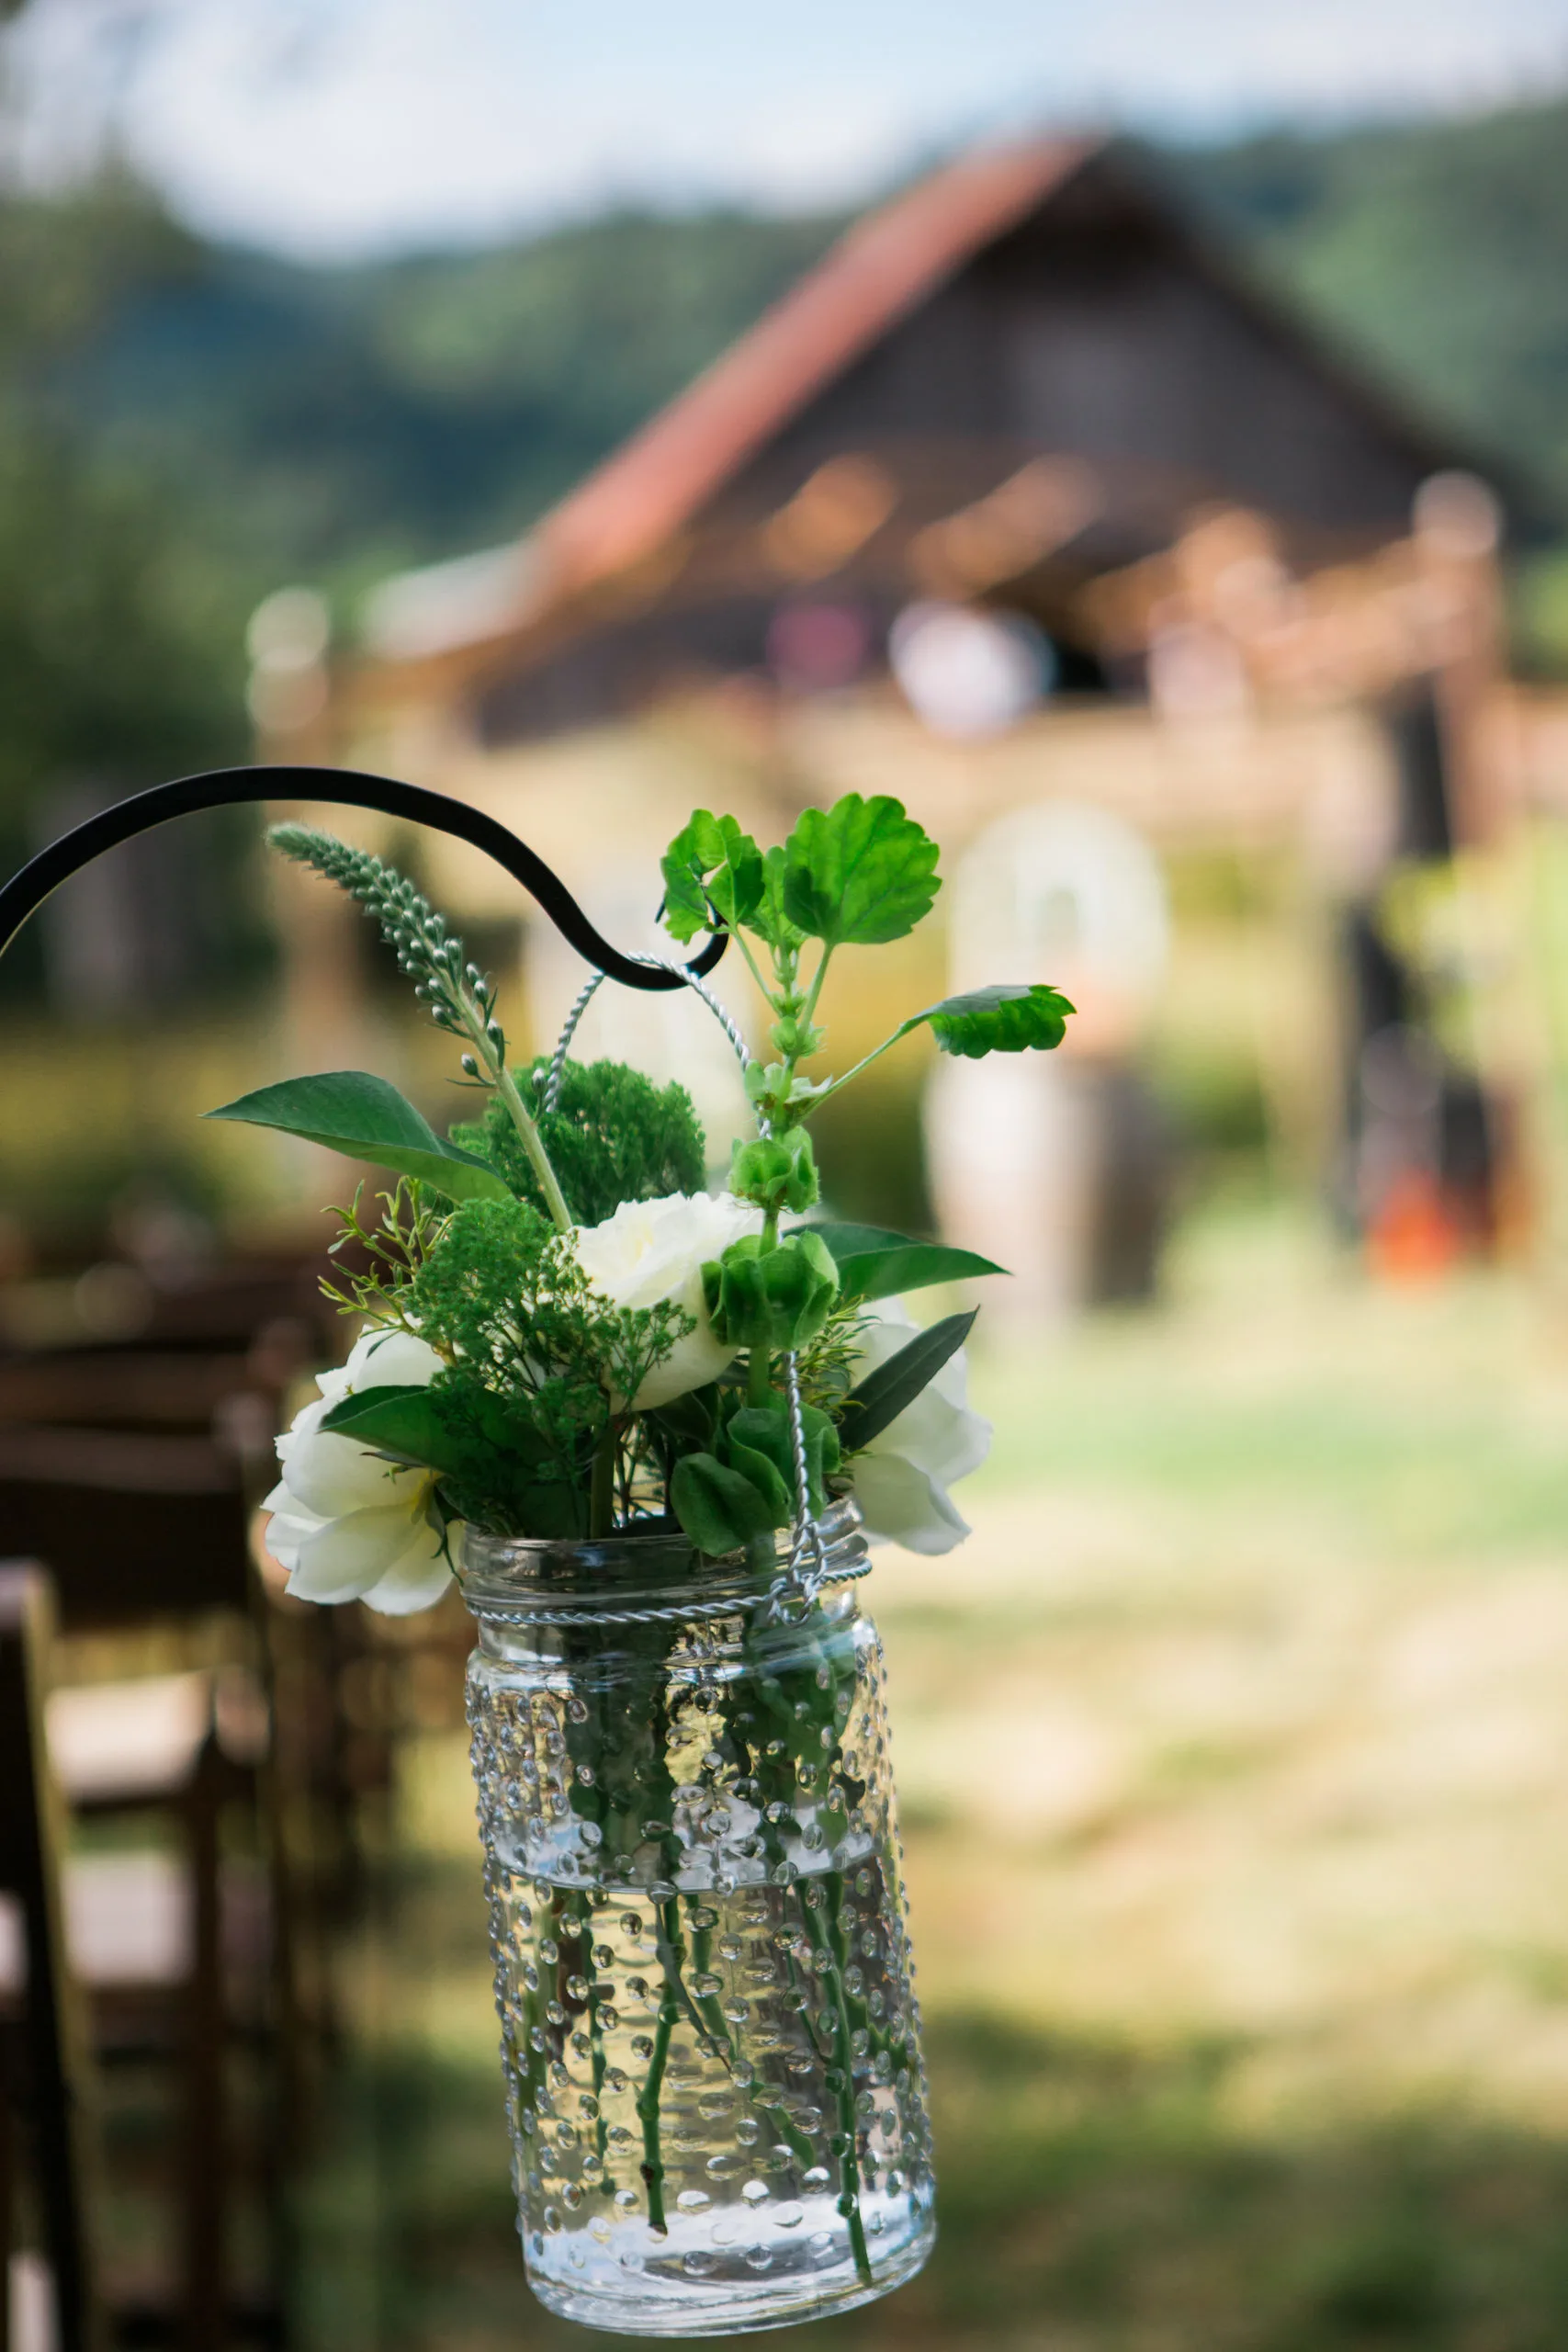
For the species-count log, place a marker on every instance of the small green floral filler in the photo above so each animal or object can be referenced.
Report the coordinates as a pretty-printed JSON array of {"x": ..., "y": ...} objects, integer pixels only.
[{"x": 566, "y": 1337}]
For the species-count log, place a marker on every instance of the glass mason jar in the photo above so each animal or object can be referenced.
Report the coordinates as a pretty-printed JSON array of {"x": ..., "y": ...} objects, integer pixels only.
[{"x": 709, "y": 2033}]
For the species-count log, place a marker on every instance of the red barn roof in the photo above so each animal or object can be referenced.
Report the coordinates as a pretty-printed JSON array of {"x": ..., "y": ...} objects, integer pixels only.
[{"x": 879, "y": 270}]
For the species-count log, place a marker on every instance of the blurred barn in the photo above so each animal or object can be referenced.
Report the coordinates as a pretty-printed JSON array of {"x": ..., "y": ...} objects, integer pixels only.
[{"x": 1026, "y": 506}]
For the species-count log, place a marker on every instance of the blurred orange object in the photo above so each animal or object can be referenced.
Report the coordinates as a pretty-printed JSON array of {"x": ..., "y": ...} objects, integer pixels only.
[{"x": 1413, "y": 1237}]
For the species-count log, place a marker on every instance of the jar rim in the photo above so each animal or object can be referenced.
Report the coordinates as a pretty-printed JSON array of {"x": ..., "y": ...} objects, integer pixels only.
[{"x": 659, "y": 1568}]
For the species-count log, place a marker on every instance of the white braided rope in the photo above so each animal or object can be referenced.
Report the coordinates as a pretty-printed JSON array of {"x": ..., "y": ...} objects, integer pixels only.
[
  {"x": 806, "y": 1541},
  {"x": 720, "y": 1012},
  {"x": 558, "y": 1062},
  {"x": 783, "y": 1588}
]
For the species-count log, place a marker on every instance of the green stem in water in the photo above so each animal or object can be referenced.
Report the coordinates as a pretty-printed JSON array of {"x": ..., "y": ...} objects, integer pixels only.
[
  {"x": 602, "y": 1495},
  {"x": 671, "y": 1952}
]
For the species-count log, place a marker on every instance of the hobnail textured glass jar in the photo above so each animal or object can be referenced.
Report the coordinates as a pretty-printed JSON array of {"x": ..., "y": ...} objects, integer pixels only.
[{"x": 709, "y": 2033}]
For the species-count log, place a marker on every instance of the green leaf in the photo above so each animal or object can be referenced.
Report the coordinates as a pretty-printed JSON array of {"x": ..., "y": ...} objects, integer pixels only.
[
  {"x": 884, "y": 1394},
  {"x": 770, "y": 920},
  {"x": 711, "y": 869},
  {"x": 1011, "y": 1018},
  {"x": 403, "y": 1420},
  {"x": 859, "y": 873},
  {"x": 719, "y": 1508},
  {"x": 874, "y": 1264},
  {"x": 352, "y": 1111},
  {"x": 762, "y": 1435}
]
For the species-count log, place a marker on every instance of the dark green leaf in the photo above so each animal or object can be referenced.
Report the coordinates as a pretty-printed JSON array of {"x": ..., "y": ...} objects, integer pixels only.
[
  {"x": 762, "y": 1435},
  {"x": 352, "y": 1111},
  {"x": 712, "y": 870},
  {"x": 874, "y": 1264},
  {"x": 1011, "y": 1018},
  {"x": 690, "y": 1418},
  {"x": 882, "y": 1395},
  {"x": 719, "y": 1508},
  {"x": 404, "y": 1421},
  {"x": 859, "y": 873}
]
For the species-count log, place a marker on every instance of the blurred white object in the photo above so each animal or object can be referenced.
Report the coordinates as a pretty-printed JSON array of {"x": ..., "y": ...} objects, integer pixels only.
[
  {"x": 1021, "y": 1147},
  {"x": 288, "y": 640},
  {"x": 965, "y": 672},
  {"x": 30, "y": 2287},
  {"x": 1063, "y": 892}
]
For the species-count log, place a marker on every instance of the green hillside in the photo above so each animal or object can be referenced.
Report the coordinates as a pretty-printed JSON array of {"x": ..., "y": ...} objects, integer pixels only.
[{"x": 1438, "y": 253}]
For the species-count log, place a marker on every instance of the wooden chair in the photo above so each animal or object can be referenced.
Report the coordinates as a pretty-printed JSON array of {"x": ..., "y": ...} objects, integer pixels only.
[
  {"x": 48, "y": 2076},
  {"x": 138, "y": 1527}
]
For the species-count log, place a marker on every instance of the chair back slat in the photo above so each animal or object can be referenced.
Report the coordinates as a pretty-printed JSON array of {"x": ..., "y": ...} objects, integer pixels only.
[
  {"x": 134, "y": 1526},
  {"x": 78, "y": 1389},
  {"x": 30, "y": 1845}
]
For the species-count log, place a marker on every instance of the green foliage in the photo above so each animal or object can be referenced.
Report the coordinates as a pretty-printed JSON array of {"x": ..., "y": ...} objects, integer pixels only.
[
  {"x": 737, "y": 1480},
  {"x": 356, "y": 1112},
  {"x": 718, "y": 1507},
  {"x": 768, "y": 1297},
  {"x": 771, "y": 920},
  {"x": 778, "y": 1173},
  {"x": 402, "y": 1422},
  {"x": 861, "y": 873},
  {"x": 875, "y": 1264},
  {"x": 759, "y": 1441},
  {"x": 392, "y": 1251},
  {"x": 615, "y": 1136},
  {"x": 884, "y": 1394},
  {"x": 534, "y": 1354},
  {"x": 1010, "y": 1018},
  {"x": 428, "y": 950},
  {"x": 713, "y": 874}
]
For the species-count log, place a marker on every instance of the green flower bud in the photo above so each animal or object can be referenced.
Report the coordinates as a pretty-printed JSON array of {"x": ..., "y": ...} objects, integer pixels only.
[
  {"x": 777, "y": 1172},
  {"x": 796, "y": 1040},
  {"x": 775, "y": 1298}
]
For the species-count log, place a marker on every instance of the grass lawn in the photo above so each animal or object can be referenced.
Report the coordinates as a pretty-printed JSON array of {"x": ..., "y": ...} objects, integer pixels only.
[{"x": 1234, "y": 1752}]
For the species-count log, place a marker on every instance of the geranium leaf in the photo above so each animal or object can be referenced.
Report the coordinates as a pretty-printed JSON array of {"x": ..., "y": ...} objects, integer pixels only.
[
  {"x": 352, "y": 1111},
  {"x": 875, "y": 1264},
  {"x": 884, "y": 1394},
  {"x": 859, "y": 873},
  {"x": 770, "y": 922},
  {"x": 711, "y": 869},
  {"x": 1014, "y": 1017}
]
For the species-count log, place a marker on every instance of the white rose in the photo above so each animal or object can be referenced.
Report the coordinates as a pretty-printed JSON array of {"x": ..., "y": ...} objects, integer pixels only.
[
  {"x": 653, "y": 1251},
  {"x": 901, "y": 1480},
  {"x": 345, "y": 1525}
]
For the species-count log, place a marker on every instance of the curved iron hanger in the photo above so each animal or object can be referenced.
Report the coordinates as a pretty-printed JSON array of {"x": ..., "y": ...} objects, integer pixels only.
[{"x": 348, "y": 789}]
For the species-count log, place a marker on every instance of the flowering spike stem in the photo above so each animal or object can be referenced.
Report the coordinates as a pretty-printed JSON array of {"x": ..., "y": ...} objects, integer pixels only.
[{"x": 458, "y": 994}]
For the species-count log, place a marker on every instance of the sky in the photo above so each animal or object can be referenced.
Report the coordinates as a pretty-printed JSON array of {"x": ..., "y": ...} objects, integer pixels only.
[{"x": 336, "y": 129}]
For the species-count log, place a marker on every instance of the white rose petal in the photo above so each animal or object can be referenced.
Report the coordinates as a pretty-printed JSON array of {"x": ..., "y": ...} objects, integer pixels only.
[
  {"x": 653, "y": 1251},
  {"x": 901, "y": 1480},
  {"x": 345, "y": 1523},
  {"x": 389, "y": 1360},
  {"x": 902, "y": 1505},
  {"x": 334, "y": 1475},
  {"x": 415, "y": 1581}
]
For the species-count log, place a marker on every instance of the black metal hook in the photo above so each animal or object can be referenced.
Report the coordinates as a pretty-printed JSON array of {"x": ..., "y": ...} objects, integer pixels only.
[{"x": 348, "y": 789}]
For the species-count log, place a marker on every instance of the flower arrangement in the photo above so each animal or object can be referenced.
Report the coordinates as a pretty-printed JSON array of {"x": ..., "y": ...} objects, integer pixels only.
[
  {"x": 564, "y": 1333},
  {"x": 576, "y": 1358}
]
